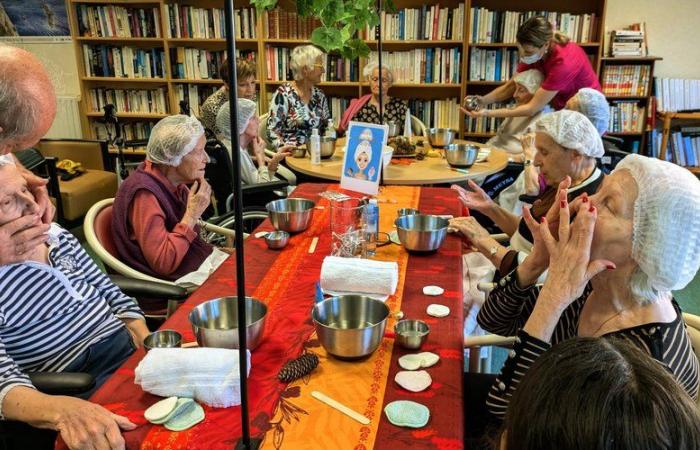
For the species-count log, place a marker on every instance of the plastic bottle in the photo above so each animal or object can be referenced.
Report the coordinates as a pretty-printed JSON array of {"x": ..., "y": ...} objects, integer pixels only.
[
  {"x": 330, "y": 130},
  {"x": 315, "y": 147},
  {"x": 371, "y": 227}
]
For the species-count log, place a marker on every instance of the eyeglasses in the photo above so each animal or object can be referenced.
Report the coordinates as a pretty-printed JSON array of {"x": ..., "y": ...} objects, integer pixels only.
[
  {"x": 319, "y": 65},
  {"x": 376, "y": 80}
]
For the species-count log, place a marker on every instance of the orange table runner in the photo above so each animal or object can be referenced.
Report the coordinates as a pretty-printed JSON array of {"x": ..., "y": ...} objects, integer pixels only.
[{"x": 286, "y": 416}]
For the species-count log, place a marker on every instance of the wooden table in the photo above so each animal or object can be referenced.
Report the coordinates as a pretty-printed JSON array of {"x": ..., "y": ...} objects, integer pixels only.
[
  {"x": 286, "y": 416},
  {"x": 431, "y": 170}
]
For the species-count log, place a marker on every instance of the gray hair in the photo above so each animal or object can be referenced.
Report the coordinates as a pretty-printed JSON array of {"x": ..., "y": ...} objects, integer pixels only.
[
  {"x": 302, "y": 57},
  {"x": 369, "y": 70},
  {"x": 19, "y": 110},
  {"x": 642, "y": 290}
]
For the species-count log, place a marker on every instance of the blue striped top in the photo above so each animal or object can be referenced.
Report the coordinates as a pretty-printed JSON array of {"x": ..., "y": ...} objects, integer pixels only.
[{"x": 49, "y": 314}]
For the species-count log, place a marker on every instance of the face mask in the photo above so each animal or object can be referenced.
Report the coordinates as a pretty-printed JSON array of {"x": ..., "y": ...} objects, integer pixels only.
[{"x": 532, "y": 59}]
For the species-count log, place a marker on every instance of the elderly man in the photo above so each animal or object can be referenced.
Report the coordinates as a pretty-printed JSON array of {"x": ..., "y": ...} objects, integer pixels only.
[{"x": 27, "y": 109}]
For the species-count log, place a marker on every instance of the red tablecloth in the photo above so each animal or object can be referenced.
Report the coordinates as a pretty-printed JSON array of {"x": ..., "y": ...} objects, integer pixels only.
[{"x": 285, "y": 415}]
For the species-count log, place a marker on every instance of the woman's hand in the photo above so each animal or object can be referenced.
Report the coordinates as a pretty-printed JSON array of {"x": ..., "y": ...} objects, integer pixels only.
[
  {"x": 470, "y": 229},
  {"x": 85, "y": 425},
  {"x": 282, "y": 153},
  {"x": 475, "y": 199},
  {"x": 483, "y": 112},
  {"x": 527, "y": 141},
  {"x": 198, "y": 199},
  {"x": 259, "y": 147}
]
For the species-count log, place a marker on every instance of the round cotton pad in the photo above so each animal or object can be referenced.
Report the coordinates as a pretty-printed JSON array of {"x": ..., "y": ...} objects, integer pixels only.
[
  {"x": 428, "y": 359},
  {"x": 188, "y": 418},
  {"x": 405, "y": 413},
  {"x": 410, "y": 362},
  {"x": 436, "y": 310},
  {"x": 160, "y": 410},
  {"x": 414, "y": 381},
  {"x": 433, "y": 290}
]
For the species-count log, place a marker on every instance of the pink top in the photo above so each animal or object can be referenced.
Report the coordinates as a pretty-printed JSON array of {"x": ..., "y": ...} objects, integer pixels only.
[
  {"x": 566, "y": 69},
  {"x": 163, "y": 249}
]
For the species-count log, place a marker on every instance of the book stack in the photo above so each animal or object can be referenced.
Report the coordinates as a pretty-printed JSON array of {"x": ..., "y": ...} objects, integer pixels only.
[
  {"x": 492, "y": 65},
  {"x": 198, "y": 64},
  {"x": 626, "y": 80},
  {"x": 194, "y": 94},
  {"x": 153, "y": 101},
  {"x": 426, "y": 23},
  {"x": 341, "y": 69},
  {"x": 277, "y": 61},
  {"x": 281, "y": 24},
  {"x": 486, "y": 125},
  {"x": 627, "y": 43},
  {"x": 436, "y": 113},
  {"x": 338, "y": 105},
  {"x": 424, "y": 65},
  {"x": 626, "y": 117},
  {"x": 207, "y": 23},
  {"x": 123, "y": 62},
  {"x": 131, "y": 130},
  {"x": 116, "y": 21},
  {"x": 674, "y": 94},
  {"x": 502, "y": 26}
]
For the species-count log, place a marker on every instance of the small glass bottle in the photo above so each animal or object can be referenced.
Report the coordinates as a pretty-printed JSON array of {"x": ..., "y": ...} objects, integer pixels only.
[{"x": 371, "y": 227}]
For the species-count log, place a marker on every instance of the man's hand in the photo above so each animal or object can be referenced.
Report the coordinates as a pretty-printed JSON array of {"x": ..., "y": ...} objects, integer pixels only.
[
  {"x": 20, "y": 237},
  {"x": 138, "y": 330},
  {"x": 85, "y": 425},
  {"x": 37, "y": 185}
]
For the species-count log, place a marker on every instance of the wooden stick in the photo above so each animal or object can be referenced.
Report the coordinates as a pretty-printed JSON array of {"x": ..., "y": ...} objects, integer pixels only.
[
  {"x": 190, "y": 344},
  {"x": 340, "y": 407},
  {"x": 314, "y": 242}
]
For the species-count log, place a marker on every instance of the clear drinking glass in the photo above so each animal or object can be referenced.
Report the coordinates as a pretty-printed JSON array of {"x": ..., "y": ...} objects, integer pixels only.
[{"x": 348, "y": 228}]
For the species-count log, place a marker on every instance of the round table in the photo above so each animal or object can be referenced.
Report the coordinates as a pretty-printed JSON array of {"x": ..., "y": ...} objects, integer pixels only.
[{"x": 431, "y": 170}]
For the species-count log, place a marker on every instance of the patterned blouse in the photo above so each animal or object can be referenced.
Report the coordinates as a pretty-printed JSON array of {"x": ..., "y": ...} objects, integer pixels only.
[
  {"x": 509, "y": 306},
  {"x": 291, "y": 120},
  {"x": 210, "y": 108},
  {"x": 394, "y": 111}
]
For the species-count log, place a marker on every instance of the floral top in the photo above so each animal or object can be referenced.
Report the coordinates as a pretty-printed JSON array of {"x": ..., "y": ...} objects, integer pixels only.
[
  {"x": 394, "y": 111},
  {"x": 291, "y": 120},
  {"x": 210, "y": 108}
]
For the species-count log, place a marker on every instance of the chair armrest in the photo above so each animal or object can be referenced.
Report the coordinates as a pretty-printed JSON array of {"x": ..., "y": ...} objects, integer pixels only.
[
  {"x": 141, "y": 288},
  {"x": 62, "y": 383},
  {"x": 500, "y": 237},
  {"x": 488, "y": 340},
  {"x": 268, "y": 186}
]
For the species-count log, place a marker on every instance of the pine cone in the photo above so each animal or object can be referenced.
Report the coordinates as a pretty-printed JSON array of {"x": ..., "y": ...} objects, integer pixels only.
[{"x": 298, "y": 368}]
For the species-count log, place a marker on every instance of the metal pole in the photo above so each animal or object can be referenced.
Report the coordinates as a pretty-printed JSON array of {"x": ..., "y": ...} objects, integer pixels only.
[
  {"x": 379, "y": 52},
  {"x": 244, "y": 443}
]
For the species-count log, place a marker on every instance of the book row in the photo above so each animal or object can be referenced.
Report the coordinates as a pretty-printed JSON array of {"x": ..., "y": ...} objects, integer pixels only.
[
  {"x": 492, "y": 65},
  {"x": 675, "y": 94},
  {"x": 425, "y": 23},
  {"x": 123, "y": 62},
  {"x": 281, "y": 24},
  {"x": 208, "y": 23},
  {"x": 482, "y": 125},
  {"x": 425, "y": 65},
  {"x": 632, "y": 80},
  {"x": 626, "y": 117},
  {"x": 683, "y": 146},
  {"x": 336, "y": 68},
  {"x": 436, "y": 113},
  {"x": 117, "y": 21},
  {"x": 153, "y": 101},
  {"x": 198, "y": 64}
]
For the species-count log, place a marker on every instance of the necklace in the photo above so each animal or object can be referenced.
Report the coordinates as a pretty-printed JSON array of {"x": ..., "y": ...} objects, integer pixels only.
[{"x": 595, "y": 333}]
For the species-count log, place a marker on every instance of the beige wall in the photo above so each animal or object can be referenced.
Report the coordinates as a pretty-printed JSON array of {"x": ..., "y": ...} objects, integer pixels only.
[{"x": 673, "y": 28}]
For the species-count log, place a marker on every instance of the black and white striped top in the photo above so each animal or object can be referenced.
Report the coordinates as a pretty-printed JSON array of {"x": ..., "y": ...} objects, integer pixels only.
[
  {"x": 49, "y": 314},
  {"x": 508, "y": 307}
]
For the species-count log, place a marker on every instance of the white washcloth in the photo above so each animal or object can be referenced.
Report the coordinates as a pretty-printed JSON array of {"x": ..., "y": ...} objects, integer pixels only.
[
  {"x": 208, "y": 266},
  {"x": 359, "y": 276},
  {"x": 208, "y": 375}
]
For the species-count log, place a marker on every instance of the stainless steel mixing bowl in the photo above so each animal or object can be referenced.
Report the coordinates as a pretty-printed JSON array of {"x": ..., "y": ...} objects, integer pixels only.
[
  {"x": 327, "y": 147},
  {"x": 421, "y": 233},
  {"x": 461, "y": 155},
  {"x": 411, "y": 334},
  {"x": 215, "y": 322},
  {"x": 440, "y": 137},
  {"x": 291, "y": 214},
  {"x": 162, "y": 339},
  {"x": 350, "y": 326}
]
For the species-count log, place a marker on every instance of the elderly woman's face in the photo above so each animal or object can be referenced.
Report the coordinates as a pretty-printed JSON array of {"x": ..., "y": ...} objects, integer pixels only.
[
  {"x": 554, "y": 161},
  {"x": 612, "y": 238},
  {"x": 246, "y": 88},
  {"x": 16, "y": 200},
  {"x": 253, "y": 127},
  {"x": 521, "y": 94},
  {"x": 315, "y": 72},
  {"x": 192, "y": 166},
  {"x": 374, "y": 82}
]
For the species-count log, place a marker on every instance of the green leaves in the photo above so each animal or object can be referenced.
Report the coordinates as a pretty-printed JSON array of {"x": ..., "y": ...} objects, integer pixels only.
[
  {"x": 354, "y": 48},
  {"x": 262, "y": 5},
  {"x": 329, "y": 39}
]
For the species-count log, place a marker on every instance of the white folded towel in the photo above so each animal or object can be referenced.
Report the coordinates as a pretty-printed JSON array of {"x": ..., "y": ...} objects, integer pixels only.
[
  {"x": 208, "y": 375},
  {"x": 359, "y": 276}
]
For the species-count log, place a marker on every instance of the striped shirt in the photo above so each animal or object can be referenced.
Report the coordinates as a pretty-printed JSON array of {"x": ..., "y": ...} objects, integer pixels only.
[
  {"x": 49, "y": 314},
  {"x": 508, "y": 307}
]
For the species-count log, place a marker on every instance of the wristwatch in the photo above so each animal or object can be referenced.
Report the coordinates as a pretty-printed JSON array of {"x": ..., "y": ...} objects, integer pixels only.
[
  {"x": 493, "y": 250},
  {"x": 527, "y": 162}
]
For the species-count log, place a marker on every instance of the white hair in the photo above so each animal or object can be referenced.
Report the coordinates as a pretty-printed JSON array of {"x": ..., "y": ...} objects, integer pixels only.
[
  {"x": 370, "y": 68},
  {"x": 303, "y": 57}
]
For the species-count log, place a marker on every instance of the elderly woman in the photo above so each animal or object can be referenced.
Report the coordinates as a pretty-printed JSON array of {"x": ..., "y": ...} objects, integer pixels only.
[
  {"x": 245, "y": 77},
  {"x": 248, "y": 126},
  {"x": 298, "y": 107},
  {"x": 155, "y": 215},
  {"x": 611, "y": 273},
  {"x": 366, "y": 108},
  {"x": 59, "y": 313},
  {"x": 567, "y": 147}
]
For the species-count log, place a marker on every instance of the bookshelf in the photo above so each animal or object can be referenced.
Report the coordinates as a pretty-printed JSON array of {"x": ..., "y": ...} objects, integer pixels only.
[
  {"x": 438, "y": 100},
  {"x": 667, "y": 121},
  {"x": 627, "y": 84}
]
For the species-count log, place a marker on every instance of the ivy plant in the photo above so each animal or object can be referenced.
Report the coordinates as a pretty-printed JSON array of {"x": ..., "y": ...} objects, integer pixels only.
[{"x": 340, "y": 22}]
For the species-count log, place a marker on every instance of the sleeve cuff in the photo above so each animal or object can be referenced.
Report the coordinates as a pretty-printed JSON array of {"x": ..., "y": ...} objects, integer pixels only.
[
  {"x": 186, "y": 231},
  {"x": 510, "y": 284},
  {"x": 4, "y": 391},
  {"x": 130, "y": 314}
]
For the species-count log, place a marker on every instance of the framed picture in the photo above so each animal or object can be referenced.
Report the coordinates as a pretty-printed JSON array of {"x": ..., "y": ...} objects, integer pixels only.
[
  {"x": 33, "y": 18},
  {"x": 363, "y": 157}
]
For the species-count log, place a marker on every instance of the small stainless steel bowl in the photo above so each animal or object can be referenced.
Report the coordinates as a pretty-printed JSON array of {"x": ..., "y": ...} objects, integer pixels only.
[
  {"x": 407, "y": 212},
  {"x": 440, "y": 137},
  {"x": 162, "y": 339},
  {"x": 299, "y": 152},
  {"x": 411, "y": 334},
  {"x": 291, "y": 214},
  {"x": 461, "y": 155},
  {"x": 215, "y": 322},
  {"x": 277, "y": 239},
  {"x": 350, "y": 326},
  {"x": 421, "y": 233},
  {"x": 327, "y": 147}
]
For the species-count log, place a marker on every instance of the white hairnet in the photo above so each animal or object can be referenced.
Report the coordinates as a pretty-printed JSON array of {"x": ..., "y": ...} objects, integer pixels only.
[
  {"x": 666, "y": 224},
  {"x": 172, "y": 138},
  {"x": 572, "y": 130},
  {"x": 594, "y": 105},
  {"x": 246, "y": 110},
  {"x": 530, "y": 79}
]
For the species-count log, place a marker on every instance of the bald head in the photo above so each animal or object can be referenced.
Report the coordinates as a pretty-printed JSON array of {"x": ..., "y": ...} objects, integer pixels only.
[{"x": 27, "y": 99}]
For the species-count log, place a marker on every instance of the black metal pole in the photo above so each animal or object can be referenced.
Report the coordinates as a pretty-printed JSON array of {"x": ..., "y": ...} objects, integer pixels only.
[
  {"x": 238, "y": 226},
  {"x": 379, "y": 60}
]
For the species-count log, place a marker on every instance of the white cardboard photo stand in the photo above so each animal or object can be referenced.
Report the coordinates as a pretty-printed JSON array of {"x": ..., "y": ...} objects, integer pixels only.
[{"x": 362, "y": 165}]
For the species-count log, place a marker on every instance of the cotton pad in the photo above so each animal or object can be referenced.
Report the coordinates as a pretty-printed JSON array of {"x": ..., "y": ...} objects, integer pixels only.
[
  {"x": 414, "y": 381},
  {"x": 187, "y": 418},
  {"x": 436, "y": 310},
  {"x": 405, "y": 413},
  {"x": 159, "y": 411},
  {"x": 433, "y": 290}
]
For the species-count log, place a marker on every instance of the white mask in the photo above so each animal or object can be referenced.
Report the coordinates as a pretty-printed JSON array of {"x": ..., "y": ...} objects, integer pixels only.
[{"x": 532, "y": 59}]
